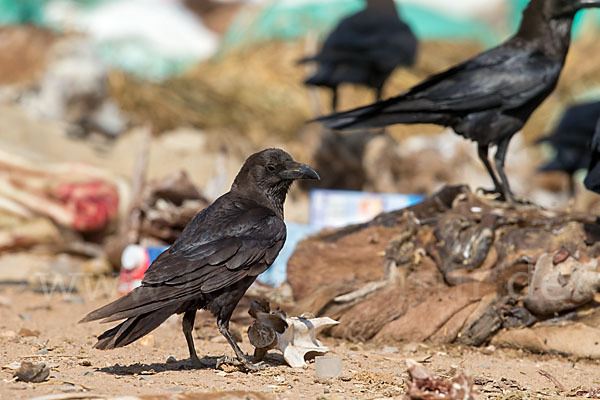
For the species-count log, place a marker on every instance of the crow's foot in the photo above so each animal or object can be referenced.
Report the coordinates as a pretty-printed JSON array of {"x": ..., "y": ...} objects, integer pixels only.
[{"x": 244, "y": 363}]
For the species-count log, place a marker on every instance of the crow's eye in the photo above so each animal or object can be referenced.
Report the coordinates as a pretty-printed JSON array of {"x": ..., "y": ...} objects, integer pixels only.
[{"x": 270, "y": 168}]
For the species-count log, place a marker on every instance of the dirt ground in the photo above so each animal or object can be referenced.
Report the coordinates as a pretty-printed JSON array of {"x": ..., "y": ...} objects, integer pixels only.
[{"x": 369, "y": 371}]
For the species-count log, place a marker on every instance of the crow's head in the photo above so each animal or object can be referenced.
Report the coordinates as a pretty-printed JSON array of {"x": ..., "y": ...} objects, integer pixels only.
[
  {"x": 566, "y": 8},
  {"x": 269, "y": 174}
]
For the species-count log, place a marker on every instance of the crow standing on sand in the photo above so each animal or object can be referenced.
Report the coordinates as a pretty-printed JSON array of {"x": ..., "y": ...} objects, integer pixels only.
[
  {"x": 215, "y": 260},
  {"x": 571, "y": 140},
  {"x": 364, "y": 49},
  {"x": 592, "y": 179},
  {"x": 489, "y": 97}
]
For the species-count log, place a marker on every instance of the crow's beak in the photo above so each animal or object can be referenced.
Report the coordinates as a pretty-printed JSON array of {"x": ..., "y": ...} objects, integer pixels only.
[
  {"x": 588, "y": 3},
  {"x": 296, "y": 170}
]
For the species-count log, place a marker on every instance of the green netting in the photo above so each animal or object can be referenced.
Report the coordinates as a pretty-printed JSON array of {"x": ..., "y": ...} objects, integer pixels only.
[
  {"x": 21, "y": 11},
  {"x": 282, "y": 20}
]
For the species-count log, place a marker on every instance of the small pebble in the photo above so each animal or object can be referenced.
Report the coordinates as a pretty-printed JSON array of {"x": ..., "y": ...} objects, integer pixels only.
[
  {"x": 43, "y": 352},
  {"x": 144, "y": 378},
  {"x": 171, "y": 360},
  {"x": 221, "y": 373},
  {"x": 87, "y": 373},
  {"x": 84, "y": 363},
  {"x": 25, "y": 316},
  {"x": 326, "y": 390},
  {"x": 29, "y": 372}
]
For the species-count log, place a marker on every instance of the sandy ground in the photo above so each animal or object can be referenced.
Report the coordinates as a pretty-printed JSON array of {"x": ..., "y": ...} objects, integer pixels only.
[{"x": 369, "y": 371}]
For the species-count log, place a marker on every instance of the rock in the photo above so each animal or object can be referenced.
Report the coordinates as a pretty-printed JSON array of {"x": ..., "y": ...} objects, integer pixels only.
[
  {"x": 171, "y": 360},
  {"x": 43, "y": 352},
  {"x": 25, "y": 332},
  {"x": 328, "y": 367},
  {"x": 25, "y": 316},
  {"x": 29, "y": 372}
]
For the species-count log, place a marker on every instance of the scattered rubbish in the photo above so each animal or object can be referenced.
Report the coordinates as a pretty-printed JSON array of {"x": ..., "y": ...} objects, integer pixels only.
[
  {"x": 424, "y": 384},
  {"x": 328, "y": 367},
  {"x": 295, "y": 337},
  {"x": 30, "y": 372},
  {"x": 76, "y": 196},
  {"x": 135, "y": 260},
  {"x": 336, "y": 208},
  {"x": 133, "y": 44}
]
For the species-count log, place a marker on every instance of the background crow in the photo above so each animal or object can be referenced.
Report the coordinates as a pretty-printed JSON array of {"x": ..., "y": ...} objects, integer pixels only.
[
  {"x": 364, "y": 48},
  {"x": 571, "y": 140},
  {"x": 489, "y": 97},
  {"x": 214, "y": 261},
  {"x": 592, "y": 179}
]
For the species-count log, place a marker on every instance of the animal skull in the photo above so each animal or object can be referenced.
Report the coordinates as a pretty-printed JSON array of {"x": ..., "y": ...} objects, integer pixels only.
[{"x": 295, "y": 337}]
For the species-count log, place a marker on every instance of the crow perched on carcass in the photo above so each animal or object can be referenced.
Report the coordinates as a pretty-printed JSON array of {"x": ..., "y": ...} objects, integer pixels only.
[
  {"x": 364, "y": 48},
  {"x": 571, "y": 140},
  {"x": 489, "y": 97},
  {"x": 215, "y": 260}
]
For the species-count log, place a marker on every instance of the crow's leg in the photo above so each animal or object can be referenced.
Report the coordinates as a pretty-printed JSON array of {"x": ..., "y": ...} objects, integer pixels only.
[
  {"x": 188, "y": 325},
  {"x": 499, "y": 158},
  {"x": 334, "y": 98},
  {"x": 223, "y": 325},
  {"x": 482, "y": 151}
]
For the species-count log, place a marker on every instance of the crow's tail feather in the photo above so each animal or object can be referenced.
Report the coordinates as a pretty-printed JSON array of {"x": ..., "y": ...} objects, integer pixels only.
[
  {"x": 376, "y": 116},
  {"x": 134, "y": 328}
]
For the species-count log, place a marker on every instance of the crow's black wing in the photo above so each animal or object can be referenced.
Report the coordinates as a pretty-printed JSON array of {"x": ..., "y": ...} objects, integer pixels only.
[
  {"x": 223, "y": 244},
  {"x": 233, "y": 244},
  {"x": 502, "y": 78}
]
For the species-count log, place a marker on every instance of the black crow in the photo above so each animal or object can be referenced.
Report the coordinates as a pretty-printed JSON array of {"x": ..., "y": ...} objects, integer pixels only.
[
  {"x": 489, "y": 97},
  {"x": 592, "y": 179},
  {"x": 364, "y": 49},
  {"x": 219, "y": 254},
  {"x": 571, "y": 140}
]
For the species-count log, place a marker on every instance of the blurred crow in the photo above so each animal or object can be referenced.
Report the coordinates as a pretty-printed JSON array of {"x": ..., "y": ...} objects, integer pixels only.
[
  {"x": 215, "y": 260},
  {"x": 364, "y": 48},
  {"x": 592, "y": 179},
  {"x": 571, "y": 140},
  {"x": 489, "y": 97}
]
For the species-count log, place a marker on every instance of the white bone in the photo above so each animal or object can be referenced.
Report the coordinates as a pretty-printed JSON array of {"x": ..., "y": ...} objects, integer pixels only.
[{"x": 298, "y": 339}]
